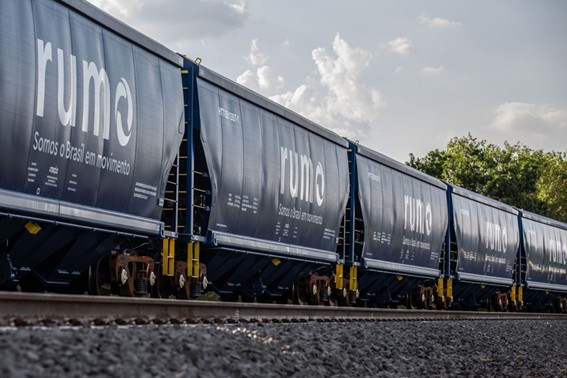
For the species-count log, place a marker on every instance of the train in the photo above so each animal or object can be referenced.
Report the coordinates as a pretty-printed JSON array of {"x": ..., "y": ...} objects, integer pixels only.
[{"x": 128, "y": 169}]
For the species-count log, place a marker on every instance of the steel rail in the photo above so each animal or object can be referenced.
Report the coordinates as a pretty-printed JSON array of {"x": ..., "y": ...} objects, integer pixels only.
[{"x": 32, "y": 308}]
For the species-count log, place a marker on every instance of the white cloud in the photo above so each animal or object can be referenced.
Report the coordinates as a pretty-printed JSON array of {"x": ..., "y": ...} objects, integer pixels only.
[
  {"x": 239, "y": 7},
  {"x": 536, "y": 119},
  {"x": 249, "y": 79},
  {"x": 262, "y": 79},
  {"x": 348, "y": 96},
  {"x": 255, "y": 57},
  {"x": 399, "y": 45},
  {"x": 303, "y": 101},
  {"x": 348, "y": 105},
  {"x": 432, "y": 70},
  {"x": 268, "y": 80},
  {"x": 438, "y": 22}
]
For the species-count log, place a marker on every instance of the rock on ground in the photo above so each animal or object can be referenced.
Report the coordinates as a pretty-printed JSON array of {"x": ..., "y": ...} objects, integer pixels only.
[{"x": 503, "y": 348}]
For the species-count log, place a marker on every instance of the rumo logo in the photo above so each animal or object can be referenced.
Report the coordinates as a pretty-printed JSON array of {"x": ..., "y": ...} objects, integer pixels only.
[
  {"x": 417, "y": 215},
  {"x": 496, "y": 237},
  {"x": 557, "y": 251},
  {"x": 305, "y": 182},
  {"x": 92, "y": 77}
]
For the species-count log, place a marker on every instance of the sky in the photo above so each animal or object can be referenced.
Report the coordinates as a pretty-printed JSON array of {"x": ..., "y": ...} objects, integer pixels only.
[{"x": 400, "y": 77}]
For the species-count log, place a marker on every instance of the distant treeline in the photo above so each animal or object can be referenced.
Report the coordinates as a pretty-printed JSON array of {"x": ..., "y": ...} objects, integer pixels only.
[{"x": 517, "y": 175}]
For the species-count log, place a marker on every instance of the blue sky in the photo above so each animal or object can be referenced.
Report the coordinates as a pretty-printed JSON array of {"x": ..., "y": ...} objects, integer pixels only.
[{"x": 399, "y": 76}]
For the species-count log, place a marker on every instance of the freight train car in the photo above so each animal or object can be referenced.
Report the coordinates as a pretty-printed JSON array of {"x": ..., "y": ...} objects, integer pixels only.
[
  {"x": 480, "y": 269},
  {"x": 543, "y": 256},
  {"x": 91, "y": 116},
  {"x": 262, "y": 196},
  {"x": 399, "y": 221}
]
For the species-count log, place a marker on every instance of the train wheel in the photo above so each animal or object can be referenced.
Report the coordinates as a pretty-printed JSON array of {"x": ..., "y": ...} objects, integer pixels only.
[
  {"x": 99, "y": 278},
  {"x": 162, "y": 288},
  {"x": 299, "y": 296},
  {"x": 353, "y": 297},
  {"x": 126, "y": 283},
  {"x": 345, "y": 299},
  {"x": 184, "y": 289},
  {"x": 333, "y": 300},
  {"x": 409, "y": 302},
  {"x": 315, "y": 295}
]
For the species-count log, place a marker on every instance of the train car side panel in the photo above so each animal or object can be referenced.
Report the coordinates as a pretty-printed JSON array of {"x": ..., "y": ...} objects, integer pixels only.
[
  {"x": 405, "y": 219},
  {"x": 17, "y": 82},
  {"x": 273, "y": 181},
  {"x": 91, "y": 120},
  {"x": 487, "y": 237},
  {"x": 545, "y": 246}
]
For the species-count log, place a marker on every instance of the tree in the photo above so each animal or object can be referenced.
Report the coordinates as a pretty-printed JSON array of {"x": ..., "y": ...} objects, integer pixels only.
[
  {"x": 515, "y": 174},
  {"x": 433, "y": 163},
  {"x": 552, "y": 185}
]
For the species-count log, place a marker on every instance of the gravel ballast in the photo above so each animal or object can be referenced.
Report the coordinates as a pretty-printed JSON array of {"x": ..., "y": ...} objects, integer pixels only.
[{"x": 500, "y": 348}]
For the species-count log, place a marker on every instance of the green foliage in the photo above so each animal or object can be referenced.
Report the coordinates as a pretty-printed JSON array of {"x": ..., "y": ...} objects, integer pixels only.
[
  {"x": 514, "y": 174},
  {"x": 552, "y": 185},
  {"x": 210, "y": 296}
]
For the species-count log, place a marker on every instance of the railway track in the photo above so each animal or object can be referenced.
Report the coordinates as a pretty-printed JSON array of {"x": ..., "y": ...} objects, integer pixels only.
[{"x": 21, "y": 309}]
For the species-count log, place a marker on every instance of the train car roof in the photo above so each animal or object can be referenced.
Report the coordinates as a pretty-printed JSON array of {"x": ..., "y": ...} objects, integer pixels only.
[
  {"x": 398, "y": 166},
  {"x": 543, "y": 219},
  {"x": 97, "y": 15},
  {"x": 264, "y": 102},
  {"x": 482, "y": 199}
]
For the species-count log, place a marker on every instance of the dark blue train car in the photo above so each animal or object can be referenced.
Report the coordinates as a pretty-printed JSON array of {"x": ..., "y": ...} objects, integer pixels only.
[
  {"x": 544, "y": 263},
  {"x": 265, "y": 192},
  {"x": 91, "y": 116},
  {"x": 399, "y": 217},
  {"x": 484, "y": 239}
]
